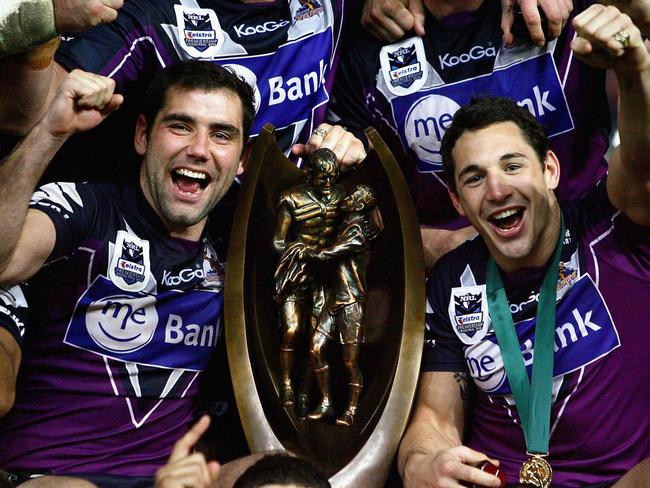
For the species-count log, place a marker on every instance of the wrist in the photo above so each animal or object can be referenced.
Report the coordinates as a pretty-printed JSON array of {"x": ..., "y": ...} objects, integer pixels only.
[{"x": 25, "y": 24}]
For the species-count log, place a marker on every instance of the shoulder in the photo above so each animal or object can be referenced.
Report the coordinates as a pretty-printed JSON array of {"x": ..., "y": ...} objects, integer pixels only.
[{"x": 462, "y": 267}]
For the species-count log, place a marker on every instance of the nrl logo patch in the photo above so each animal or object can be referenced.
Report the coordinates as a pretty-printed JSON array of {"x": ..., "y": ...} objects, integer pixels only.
[
  {"x": 129, "y": 267},
  {"x": 403, "y": 66},
  {"x": 199, "y": 31},
  {"x": 468, "y": 313},
  {"x": 307, "y": 9}
]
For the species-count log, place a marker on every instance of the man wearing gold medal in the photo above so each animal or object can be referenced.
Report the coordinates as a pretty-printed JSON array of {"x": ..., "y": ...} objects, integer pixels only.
[{"x": 546, "y": 311}]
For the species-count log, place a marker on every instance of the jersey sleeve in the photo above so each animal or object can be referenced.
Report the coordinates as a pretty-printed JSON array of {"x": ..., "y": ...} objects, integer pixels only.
[
  {"x": 442, "y": 350},
  {"x": 128, "y": 49},
  {"x": 72, "y": 208},
  {"x": 13, "y": 312}
]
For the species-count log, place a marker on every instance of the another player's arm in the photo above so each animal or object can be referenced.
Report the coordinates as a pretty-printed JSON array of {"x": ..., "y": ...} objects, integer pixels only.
[
  {"x": 637, "y": 477},
  {"x": 10, "y": 356},
  {"x": 82, "y": 102},
  {"x": 431, "y": 453},
  {"x": 29, "y": 76},
  {"x": 628, "y": 183}
]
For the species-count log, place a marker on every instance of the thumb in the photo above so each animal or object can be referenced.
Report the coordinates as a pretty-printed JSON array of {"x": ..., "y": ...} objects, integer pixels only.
[{"x": 213, "y": 468}]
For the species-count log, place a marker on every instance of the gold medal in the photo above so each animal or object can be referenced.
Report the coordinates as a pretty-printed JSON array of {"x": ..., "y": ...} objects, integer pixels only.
[{"x": 536, "y": 472}]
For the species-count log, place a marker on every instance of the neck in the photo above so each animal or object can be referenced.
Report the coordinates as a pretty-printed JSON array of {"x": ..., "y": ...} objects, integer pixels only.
[{"x": 442, "y": 8}]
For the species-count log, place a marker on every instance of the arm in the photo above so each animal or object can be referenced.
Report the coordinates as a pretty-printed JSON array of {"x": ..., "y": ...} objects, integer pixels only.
[
  {"x": 13, "y": 316},
  {"x": 10, "y": 356},
  {"x": 628, "y": 183},
  {"x": 431, "y": 453},
  {"x": 637, "y": 477},
  {"x": 438, "y": 242},
  {"x": 83, "y": 101},
  {"x": 29, "y": 80}
]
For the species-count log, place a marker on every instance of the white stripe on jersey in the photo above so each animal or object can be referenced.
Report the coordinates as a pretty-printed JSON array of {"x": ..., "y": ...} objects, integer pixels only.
[{"x": 58, "y": 193}]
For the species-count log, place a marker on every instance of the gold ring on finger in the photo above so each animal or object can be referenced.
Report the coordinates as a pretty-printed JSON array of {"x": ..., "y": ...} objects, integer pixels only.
[
  {"x": 623, "y": 38},
  {"x": 319, "y": 131}
]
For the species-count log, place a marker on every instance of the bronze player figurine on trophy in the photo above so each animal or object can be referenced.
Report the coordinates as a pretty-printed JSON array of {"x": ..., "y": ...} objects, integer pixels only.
[
  {"x": 345, "y": 297},
  {"x": 308, "y": 216}
]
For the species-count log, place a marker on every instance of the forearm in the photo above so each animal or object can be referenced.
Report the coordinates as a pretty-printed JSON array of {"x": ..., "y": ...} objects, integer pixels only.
[
  {"x": 438, "y": 418},
  {"x": 424, "y": 437},
  {"x": 26, "y": 87},
  {"x": 19, "y": 175},
  {"x": 634, "y": 119}
]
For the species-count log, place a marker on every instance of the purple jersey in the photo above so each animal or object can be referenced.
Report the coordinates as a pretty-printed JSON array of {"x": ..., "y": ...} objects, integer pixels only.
[
  {"x": 122, "y": 321},
  {"x": 600, "y": 421},
  {"x": 411, "y": 89},
  {"x": 287, "y": 50}
]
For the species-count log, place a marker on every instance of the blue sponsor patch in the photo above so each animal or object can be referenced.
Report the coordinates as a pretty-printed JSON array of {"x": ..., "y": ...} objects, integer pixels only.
[
  {"x": 584, "y": 333},
  {"x": 173, "y": 329},
  {"x": 423, "y": 117},
  {"x": 291, "y": 81}
]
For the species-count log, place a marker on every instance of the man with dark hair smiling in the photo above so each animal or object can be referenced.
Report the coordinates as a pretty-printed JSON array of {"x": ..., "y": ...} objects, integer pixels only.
[
  {"x": 545, "y": 310},
  {"x": 125, "y": 289}
]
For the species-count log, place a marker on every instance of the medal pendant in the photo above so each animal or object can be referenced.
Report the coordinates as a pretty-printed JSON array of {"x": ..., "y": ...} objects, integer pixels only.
[{"x": 536, "y": 472}]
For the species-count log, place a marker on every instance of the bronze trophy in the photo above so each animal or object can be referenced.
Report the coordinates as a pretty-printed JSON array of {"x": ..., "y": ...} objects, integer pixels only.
[{"x": 325, "y": 309}]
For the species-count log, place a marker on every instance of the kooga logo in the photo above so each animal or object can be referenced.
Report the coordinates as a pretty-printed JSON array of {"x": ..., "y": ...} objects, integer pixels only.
[
  {"x": 477, "y": 52},
  {"x": 242, "y": 30}
]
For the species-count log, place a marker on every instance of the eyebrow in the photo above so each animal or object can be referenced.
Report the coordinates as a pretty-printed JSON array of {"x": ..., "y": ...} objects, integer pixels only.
[
  {"x": 181, "y": 117},
  {"x": 475, "y": 167}
]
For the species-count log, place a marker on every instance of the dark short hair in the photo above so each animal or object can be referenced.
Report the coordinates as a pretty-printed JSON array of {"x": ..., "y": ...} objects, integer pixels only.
[
  {"x": 482, "y": 112},
  {"x": 322, "y": 159},
  {"x": 282, "y": 469},
  {"x": 198, "y": 75}
]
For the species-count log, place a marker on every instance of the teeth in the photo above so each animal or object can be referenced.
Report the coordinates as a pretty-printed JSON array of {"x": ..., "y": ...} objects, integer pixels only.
[
  {"x": 505, "y": 214},
  {"x": 191, "y": 174}
]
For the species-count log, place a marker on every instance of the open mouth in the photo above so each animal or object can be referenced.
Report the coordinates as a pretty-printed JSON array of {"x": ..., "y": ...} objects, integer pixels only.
[
  {"x": 190, "y": 182},
  {"x": 507, "y": 220}
]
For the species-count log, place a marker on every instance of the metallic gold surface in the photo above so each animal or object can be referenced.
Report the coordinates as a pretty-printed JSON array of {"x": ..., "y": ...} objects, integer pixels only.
[
  {"x": 358, "y": 455},
  {"x": 536, "y": 471}
]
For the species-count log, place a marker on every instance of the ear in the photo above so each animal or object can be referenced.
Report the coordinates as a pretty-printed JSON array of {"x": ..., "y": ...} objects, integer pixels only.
[
  {"x": 140, "y": 138},
  {"x": 456, "y": 201},
  {"x": 243, "y": 160},
  {"x": 551, "y": 170}
]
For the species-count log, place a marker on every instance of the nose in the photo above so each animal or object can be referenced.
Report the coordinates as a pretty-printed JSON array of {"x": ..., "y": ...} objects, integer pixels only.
[
  {"x": 498, "y": 188},
  {"x": 198, "y": 147}
]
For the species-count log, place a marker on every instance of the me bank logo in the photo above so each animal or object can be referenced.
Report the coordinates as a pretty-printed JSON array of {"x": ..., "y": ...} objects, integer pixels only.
[
  {"x": 172, "y": 329},
  {"x": 423, "y": 118},
  {"x": 584, "y": 333}
]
